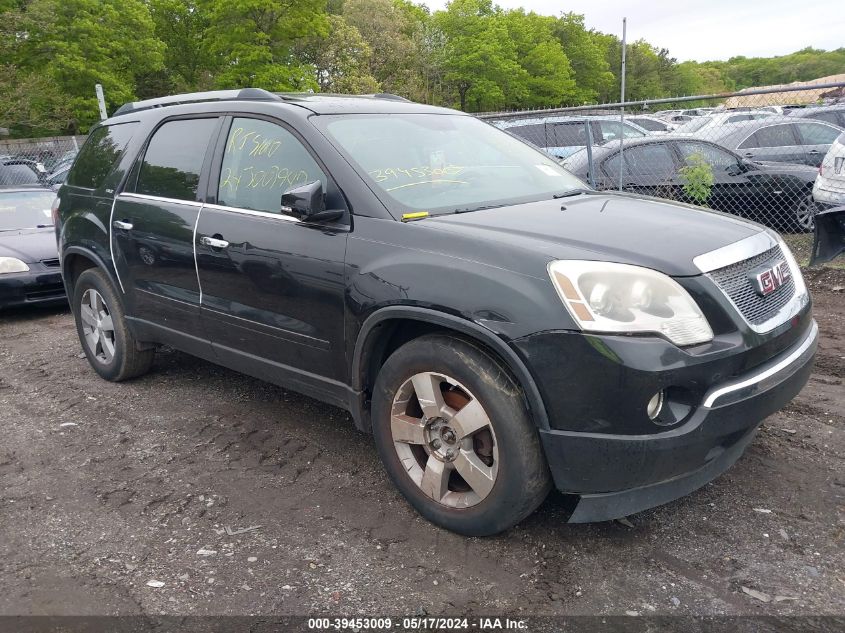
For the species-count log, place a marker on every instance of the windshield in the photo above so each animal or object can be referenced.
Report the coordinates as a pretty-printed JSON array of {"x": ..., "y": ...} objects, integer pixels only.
[
  {"x": 693, "y": 125},
  {"x": 25, "y": 209},
  {"x": 445, "y": 163}
]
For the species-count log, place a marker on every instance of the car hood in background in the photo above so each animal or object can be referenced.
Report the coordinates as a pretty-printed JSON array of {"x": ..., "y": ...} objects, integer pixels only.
[
  {"x": 29, "y": 245},
  {"x": 622, "y": 228}
]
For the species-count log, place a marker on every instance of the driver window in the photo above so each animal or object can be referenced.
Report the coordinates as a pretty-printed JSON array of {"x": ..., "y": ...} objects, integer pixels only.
[
  {"x": 261, "y": 161},
  {"x": 714, "y": 156}
]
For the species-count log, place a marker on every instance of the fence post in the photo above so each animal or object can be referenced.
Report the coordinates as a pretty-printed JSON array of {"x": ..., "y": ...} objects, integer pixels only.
[
  {"x": 622, "y": 109},
  {"x": 590, "y": 174}
]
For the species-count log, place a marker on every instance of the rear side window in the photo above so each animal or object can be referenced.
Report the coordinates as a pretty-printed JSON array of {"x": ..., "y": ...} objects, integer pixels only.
[
  {"x": 830, "y": 117},
  {"x": 173, "y": 161},
  {"x": 99, "y": 154},
  {"x": 772, "y": 136},
  {"x": 569, "y": 134},
  {"x": 817, "y": 133},
  {"x": 534, "y": 134},
  {"x": 650, "y": 125},
  {"x": 652, "y": 161}
]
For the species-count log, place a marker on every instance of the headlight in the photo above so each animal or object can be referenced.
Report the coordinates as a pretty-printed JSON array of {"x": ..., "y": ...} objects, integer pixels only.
[
  {"x": 607, "y": 297},
  {"x": 12, "y": 265}
]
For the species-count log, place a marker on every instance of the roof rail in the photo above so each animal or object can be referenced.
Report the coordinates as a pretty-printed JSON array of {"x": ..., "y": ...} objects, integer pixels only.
[
  {"x": 244, "y": 94},
  {"x": 389, "y": 96}
]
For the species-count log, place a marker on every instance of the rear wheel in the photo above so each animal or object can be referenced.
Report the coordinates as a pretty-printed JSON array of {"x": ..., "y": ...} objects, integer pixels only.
[
  {"x": 101, "y": 325},
  {"x": 805, "y": 214},
  {"x": 454, "y": 434}
]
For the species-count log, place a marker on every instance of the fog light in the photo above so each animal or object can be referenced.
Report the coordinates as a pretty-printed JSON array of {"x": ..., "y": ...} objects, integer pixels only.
[{"x": 655, "y": 405}]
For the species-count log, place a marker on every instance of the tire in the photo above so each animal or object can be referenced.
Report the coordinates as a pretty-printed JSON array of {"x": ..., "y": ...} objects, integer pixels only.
[
  {"x": 804, "y": 219},
  {"x": 113, "y": 353},
  {"x": 507, "y": 474}
]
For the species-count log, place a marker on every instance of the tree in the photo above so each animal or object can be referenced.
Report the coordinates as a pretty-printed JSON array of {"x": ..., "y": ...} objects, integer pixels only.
[
  {"x": 586, "y": 54},
  {"x": 79, "y": 43},
  {"x": 341, "y": 59},
  {"x": 183, "y": 26},
  {"x": 252, "y": 41}
]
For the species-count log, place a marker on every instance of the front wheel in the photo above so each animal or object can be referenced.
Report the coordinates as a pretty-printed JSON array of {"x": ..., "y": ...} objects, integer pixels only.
[
  {"x": 108, "y": 343},
  {"x": 454, "y": 434},
  {"x": 805, "y": 214}
]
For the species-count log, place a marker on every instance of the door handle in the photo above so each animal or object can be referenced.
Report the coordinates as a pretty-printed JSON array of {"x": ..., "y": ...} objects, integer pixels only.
[
  {"x": 213, "y": 242},
  {"x": 814, "y": 151},
  {"x": 123, "y": 226}
]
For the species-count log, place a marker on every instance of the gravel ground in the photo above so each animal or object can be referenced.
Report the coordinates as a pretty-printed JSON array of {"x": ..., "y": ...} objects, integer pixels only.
[{"x": 195, "y": 491}]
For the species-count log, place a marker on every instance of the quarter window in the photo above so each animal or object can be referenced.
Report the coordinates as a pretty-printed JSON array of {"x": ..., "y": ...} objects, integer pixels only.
[
  {"x": 534, "y": 134},
  {"x": 771, "y": 136},
  {"x": 102, "y": 149},
  {"x": 817, "y": 133},
  {"x": 261, "y": 161},
  {"x": 173, "y": 161}
]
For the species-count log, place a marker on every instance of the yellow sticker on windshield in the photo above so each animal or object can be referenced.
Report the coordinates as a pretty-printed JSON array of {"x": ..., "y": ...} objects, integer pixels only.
[{"x": 414, "y": 216}]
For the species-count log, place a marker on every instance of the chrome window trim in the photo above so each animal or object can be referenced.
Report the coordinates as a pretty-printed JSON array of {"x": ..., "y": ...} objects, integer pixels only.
[
  {"x": 143, "y": 196},
  {"x": 716, "y": 393},
  {"x": 741, "y": 250},
  {"x": 260, "y": 214}
]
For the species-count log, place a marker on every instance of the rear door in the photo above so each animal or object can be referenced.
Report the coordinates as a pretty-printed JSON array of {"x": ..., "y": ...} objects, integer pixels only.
[
  {"x": 779, "y": 142},
  {"x": 272, "y": 286},
  {"x": 816, "y": 137},
  {"x": 153, "y": 223}
]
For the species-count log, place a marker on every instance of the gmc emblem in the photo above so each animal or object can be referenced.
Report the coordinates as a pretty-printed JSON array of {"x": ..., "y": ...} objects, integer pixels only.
[{"x": 767, "y": 280}]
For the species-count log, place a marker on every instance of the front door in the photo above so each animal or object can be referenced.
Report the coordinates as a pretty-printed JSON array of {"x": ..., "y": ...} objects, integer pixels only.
[
  {"x": 153, "y": 224},
  {"x": 272, "y": 286},
  {"x": 779, "y": 143}
]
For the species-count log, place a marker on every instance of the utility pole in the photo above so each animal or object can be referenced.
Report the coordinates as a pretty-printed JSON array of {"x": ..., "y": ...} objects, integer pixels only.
[
  {"x": 622, "y": 109},
  {"x": 101, "y": 101}
]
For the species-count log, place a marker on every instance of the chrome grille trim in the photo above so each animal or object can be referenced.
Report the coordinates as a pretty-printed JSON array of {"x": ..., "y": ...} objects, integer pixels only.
[
  {"x": 736, "y": 252},
  {"x": 735, "y": 283}
]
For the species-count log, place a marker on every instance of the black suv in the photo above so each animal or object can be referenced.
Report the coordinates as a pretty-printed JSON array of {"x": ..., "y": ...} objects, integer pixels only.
[{"x": 495, "y": 324}]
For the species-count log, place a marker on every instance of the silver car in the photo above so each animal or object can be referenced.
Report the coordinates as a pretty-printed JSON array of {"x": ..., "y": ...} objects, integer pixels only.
[
  {"x": 777, "y": 138},
  {"x": 829, "y": 188}
]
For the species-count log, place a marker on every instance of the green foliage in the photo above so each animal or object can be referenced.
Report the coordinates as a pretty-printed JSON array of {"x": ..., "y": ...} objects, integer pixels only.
[
  {"x": 697, "y": 175},
  {"x": 473, "y": 55}
]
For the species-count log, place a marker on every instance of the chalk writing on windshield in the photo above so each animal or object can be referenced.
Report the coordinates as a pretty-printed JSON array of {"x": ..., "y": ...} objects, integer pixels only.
[
  {"x": 253, "y": 178},
  {"x": 242, "y": 140},
  {"x": 414, "y": 173}
]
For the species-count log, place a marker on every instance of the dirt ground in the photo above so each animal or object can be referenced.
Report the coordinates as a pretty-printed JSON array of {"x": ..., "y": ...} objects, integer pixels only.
[{"x": 238, "y": 497}]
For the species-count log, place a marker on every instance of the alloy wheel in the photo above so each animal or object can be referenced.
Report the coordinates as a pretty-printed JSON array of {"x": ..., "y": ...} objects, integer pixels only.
[
  {"x": 805, "y": 214},
  {"x": 97, "y": 326},
  {"x": 444, "y": 439}
]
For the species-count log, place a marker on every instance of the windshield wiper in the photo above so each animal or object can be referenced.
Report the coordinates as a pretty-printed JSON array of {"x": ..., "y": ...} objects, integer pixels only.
[{"x": 571, "y": 192}]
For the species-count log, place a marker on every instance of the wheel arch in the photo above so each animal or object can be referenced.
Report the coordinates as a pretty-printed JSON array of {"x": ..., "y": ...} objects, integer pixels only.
[
  {"x": 75, "y": 260},
  {"x": 387, "y": 329}
]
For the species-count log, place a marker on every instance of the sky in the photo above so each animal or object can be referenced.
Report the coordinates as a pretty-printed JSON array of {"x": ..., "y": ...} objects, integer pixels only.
[{"x": 707, "y": 29}]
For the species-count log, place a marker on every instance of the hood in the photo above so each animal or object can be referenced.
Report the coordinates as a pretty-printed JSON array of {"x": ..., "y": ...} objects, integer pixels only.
[
  {"x": 621, "y": 228},
  {"x": 29, "y": 245}
]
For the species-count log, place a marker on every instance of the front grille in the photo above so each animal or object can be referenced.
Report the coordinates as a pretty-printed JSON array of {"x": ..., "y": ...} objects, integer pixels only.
[
  {"x": 47, "y": 291},
  {"x": 50, "y": 263},
  {"x": 735, "y": 282}
]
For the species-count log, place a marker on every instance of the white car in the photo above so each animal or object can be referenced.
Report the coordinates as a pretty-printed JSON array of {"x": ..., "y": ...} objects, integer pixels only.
[
  {"x": 829, "y": 189},
  {"x": 701, "y": 124}
]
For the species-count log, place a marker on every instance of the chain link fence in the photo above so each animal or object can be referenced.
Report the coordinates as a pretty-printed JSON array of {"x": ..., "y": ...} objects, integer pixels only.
[
  {"x": 756, "y": 154},
  {"x": 37, "y": 162}
]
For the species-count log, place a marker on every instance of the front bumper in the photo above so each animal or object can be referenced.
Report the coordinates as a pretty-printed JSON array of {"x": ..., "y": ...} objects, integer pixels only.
[
  {"x": 40, "y": 285},
  {"x": 615, "y": 474}
]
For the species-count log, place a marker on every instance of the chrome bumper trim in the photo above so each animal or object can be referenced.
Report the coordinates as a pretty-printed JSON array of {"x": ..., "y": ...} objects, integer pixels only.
[{"x": 761, "y": 377}]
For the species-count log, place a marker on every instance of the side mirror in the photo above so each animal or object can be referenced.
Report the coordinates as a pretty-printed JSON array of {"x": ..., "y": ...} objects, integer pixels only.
[{"x": 308, "y": 203}]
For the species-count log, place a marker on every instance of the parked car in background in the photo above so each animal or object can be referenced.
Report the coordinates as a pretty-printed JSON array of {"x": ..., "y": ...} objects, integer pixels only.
[
  {"x": 651, "y": 124},
  {"x": 496, "y": 326},
  {"x": 829, "y": 188},
  {"x": 700, "y": 125},
  {"x": 777, "y": 138},
  {"x": 561, "y": 136},
  {"x": 29, "y": 264},
  {"x": 16, "y": 171},
  {"x": 58, "y": 176},
  {"x": 834, "y": 114},
  {"x": 776, "y": 194}
]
